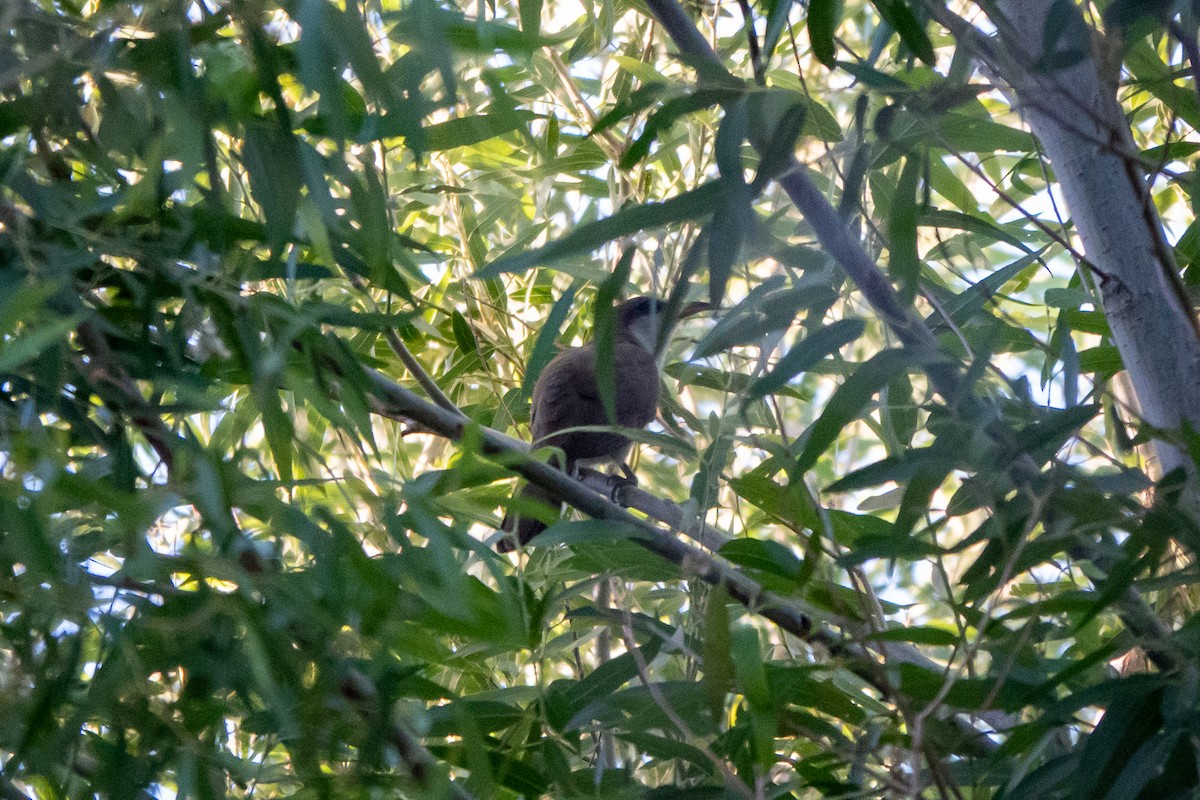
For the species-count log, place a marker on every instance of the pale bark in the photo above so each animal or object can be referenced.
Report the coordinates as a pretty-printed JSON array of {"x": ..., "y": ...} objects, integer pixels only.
[{"x": 1080, "y": 125}]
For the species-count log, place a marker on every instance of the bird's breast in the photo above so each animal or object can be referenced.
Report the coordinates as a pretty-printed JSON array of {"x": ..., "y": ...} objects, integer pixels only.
[{"x": 567, "y": 395}]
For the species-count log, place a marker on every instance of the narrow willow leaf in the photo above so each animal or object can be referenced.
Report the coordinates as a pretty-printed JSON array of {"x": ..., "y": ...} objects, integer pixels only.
[
  {"x": 849, "y": 401},
  {"x": 32, "y": 342},
  {"x": 1156, "y": 77},
  {"x": 279, "y": 431},
  {"x": 639, "y": 100},
  {"x": 912, "y": 33},
  {"x": 464, "y": 337},
  {"x": 692, "y": 205},
  {"x": 270, "y": 157},
  {"x": 891, "y": 547},
  {"x": 715, "y": 458},
  {"x": 733, "y": 217},
  {"x": 777, "y": 19},
  {"x": 984, "y": 226},
  {"x": 605, "y": 333},
  {"x": 584, "y": 695},
  {"x": 776, "y": 156},
  {"x": 802, "y": 356},
  {"x": 467, "y": 131},
  {"x": 666, "y": 116},
  {"x": 718, "y": 662},
  {"x": 904, "y": 263},
  {"x": 823, "y": 19},
  {"x": 937, "y": 637},
  {"x": 968, "y": 304},
  {"x": 531, "y": 16},
  {"x": 544, "y": 348},
  {"x": 732, "y": 328},
  {"x": 764, "y": 555}
]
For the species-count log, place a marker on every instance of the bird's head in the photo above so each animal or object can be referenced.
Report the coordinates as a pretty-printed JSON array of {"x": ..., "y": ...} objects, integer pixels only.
[{"x": 642, "y": 319}]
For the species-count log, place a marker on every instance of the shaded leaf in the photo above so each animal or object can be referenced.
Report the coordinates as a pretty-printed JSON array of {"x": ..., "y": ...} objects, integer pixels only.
[
  {"x": 849, "y": 401},
  {"x": 690, "y": 205}
]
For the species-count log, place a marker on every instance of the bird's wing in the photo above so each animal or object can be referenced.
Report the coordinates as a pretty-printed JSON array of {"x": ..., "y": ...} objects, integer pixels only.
[{"x": 565, "y": 394}]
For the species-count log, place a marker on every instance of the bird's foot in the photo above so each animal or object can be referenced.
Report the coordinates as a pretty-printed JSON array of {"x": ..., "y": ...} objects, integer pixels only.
[{"x": 618, "y": 483}]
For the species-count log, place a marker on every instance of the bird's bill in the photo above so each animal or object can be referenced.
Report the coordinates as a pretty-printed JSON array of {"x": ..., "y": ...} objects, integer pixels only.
[{"x": 691, "y": 309}]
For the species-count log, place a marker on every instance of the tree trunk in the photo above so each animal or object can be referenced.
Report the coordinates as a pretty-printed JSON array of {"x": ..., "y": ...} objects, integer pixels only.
[{"x": 1077, "y": 119}]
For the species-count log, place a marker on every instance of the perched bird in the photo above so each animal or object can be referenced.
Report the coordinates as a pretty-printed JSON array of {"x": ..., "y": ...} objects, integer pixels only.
[{"x": 567, "y": 395}]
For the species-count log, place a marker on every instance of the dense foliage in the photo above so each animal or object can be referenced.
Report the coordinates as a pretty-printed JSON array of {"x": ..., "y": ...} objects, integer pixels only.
[{"x": 235, "y": 232}]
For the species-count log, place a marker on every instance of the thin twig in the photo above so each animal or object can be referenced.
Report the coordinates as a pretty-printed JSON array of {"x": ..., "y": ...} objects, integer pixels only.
[
  {"x": 361, "y": 692},
  {"x": 391, "y": 399},
  {"x": 732, "y": 781},
  {"x": 858, "y": 265},
  {"x": 410, "y": 362},
  {"x": 104, "y": 369}
]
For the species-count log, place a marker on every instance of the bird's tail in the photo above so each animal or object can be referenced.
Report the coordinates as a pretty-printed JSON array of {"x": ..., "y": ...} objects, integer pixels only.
[{"x": 533, "y": 509}]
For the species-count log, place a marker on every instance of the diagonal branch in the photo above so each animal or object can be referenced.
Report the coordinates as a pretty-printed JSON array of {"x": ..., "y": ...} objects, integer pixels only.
[
  {"x": 945, "y": 376},
  {"x": 393, "y": 400},
  {"x": 104, "y": 369},
  {"x": 658, "y": 508},
  {"x": 787, "y": 614}
]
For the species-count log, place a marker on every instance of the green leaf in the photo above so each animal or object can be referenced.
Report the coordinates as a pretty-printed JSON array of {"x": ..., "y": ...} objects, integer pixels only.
[
  {"x": 531, "y": 16},
  {"x": 464, "y": 336},
  {"x": 764, "y": 555},
  {"x": 849, "y": 401},
  {"x": 894, "y": 468},
  {"x": 706, "y": 483},
  {"x": 1131, "y": 720},
  {"x": 1054, "y": 427},
  {"x": 777, "y": 153},
  {"x": 545, "y": 348},
  {"x": 748, "y": 666},
  {"x": 897, "y": 14},
  {"x": 581, "y": 697},
  {"x": 32, "y": 342},
  {"x": 804, "y": 355},
  {"x": 984, "y": 226},
  {"x": 667, "y": 115},
  {"x": 936, "y": 637},
  {"x": 1125, "y": 13},
  {"x": 30, "y": 542},
  {"x": 606, "y": 331},
  {"x": 586, "y": 531},
  {"x": 777, "y": 20},
  {"x": 752, "y": 317},
  {"x": 718, "y": 661},
  {"x": 904, "y": 263},
  {"x": 967, "y": 304},
  {"x": 1156, "y": 77},
  {"x": 277, "y": 425},
  {"x": 892, "y": 547},
  {"x": 691, "y": 205},
  {"x": 751, "y": 677},
  {"x": 639, "y": 100},
  {"x": 967, "y": 133},
  {"x": 270, "y": 157},
  {"x": 824, "y": 16},
  {"x": 468, "y": 131},
  {"x": 1150, "y": 766},
  {"x": 1104, "y": 360},
  {"x": 733, "y": 217}
]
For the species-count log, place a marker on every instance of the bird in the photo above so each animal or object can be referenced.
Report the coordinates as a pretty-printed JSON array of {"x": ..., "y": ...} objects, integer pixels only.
[{"x": 567, "y": 396}]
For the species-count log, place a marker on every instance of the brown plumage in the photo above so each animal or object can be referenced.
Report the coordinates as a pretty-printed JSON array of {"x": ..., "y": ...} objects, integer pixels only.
[{"x": 567, "y": 395}]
